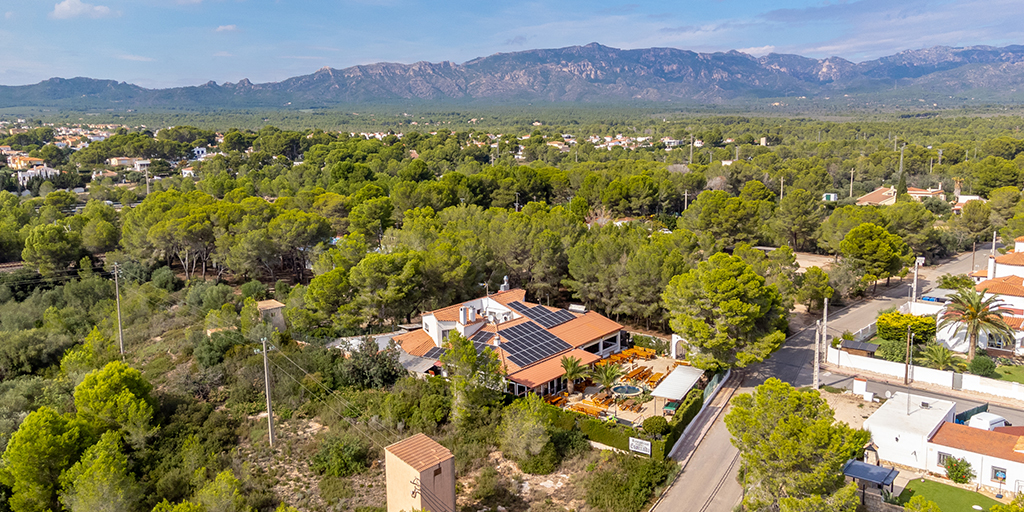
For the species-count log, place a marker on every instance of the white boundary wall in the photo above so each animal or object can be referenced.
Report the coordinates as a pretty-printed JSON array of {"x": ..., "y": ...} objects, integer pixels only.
[{"x": 928, "y": 375}]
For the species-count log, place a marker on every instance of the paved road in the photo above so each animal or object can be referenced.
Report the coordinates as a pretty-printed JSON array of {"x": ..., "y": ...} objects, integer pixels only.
[{"x": 708, "y": 482}]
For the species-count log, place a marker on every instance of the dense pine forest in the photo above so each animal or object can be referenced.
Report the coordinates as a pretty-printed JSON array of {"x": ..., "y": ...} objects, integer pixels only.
[{"x": 357, "y": 234}]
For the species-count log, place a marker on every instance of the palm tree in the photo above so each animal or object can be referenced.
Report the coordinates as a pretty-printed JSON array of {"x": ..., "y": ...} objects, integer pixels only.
[
  {"x": 942, "y": 358},
  {"x": 969, "y": 310},
  {"x": 607, "y": 375},
  {"x": 573, "y": 371}
]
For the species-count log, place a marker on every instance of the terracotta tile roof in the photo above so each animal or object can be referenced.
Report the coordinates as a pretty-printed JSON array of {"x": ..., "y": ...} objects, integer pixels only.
[
  {"x": 1019, "y": 239},
  {"x": 415, "y": 343},
  {"x": 976, "y": 440},
  {"x": 1009, "y": 285},
  {"x": 550, "y": 368},
  {"x": 1014, "y": 431},
  {"x": 448, "y": 314},
  {"x": 420, "y": 452},
  {"x": 979, "y": 273},
  {"x": 1014, "y": 322},
  {"x": 264, "y": 305},
  {"x": 880, "y": 195},
  {"x": 585, "y": 328},
  {"x": 1011, "y": 258},
  {"x": 517, "y": 294}
]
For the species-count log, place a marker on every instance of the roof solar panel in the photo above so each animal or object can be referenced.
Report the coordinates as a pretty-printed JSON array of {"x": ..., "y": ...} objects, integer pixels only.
[
  {"x": 519, "y": 307},
  {"x": 434, "y": 353},
  {"x": 542, "y": 315},
  {"x": 483, "y": 336},
  {"x": 527, "y": 343}
]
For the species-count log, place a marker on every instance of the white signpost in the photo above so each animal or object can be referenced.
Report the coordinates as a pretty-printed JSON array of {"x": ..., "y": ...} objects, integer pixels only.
[{"x": 639, "y": 446}]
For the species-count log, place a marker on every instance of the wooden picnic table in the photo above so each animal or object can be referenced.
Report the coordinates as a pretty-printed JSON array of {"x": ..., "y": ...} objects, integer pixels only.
[{"x": 653, "y": 380}]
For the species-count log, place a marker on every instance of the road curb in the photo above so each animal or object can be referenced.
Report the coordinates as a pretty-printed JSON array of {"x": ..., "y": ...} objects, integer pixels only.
[{"x": 728, "y": 389}]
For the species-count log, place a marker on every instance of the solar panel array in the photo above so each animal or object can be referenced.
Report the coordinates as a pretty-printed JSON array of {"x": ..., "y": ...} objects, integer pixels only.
[
  {"x": 436, "y": 352},
  {"x": 527, "y": 343},
  {"x": 542, "y": 315},
  {"x": 482, "y": 336}
]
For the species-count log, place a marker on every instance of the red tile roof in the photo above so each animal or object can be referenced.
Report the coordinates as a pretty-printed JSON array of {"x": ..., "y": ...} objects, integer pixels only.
[
  {"x": 1009, "y": 285},
  {"x": 979, "y": 273},
  {"x": 420, "y": 452},
  {"x": 415, "y": 343},
  {"x": 585, "y": 328},
  {"x": 550, "y": 368},
  {"x": 876, "y": 197},
  {"x": 1011, "y": 258},
  {"x": 1019, "y": 239},
  {"x": 976, "y": 440}
]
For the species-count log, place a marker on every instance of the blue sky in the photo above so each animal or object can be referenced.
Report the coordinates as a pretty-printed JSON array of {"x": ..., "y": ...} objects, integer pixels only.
[{"x": 166, "y": 43}]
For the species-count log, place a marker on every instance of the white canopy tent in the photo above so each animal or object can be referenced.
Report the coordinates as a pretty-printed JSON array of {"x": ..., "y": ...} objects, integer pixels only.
[{"x": 678, "y": 383}]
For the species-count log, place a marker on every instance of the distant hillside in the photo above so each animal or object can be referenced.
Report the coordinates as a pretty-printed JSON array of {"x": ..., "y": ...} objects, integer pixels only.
[{"x": 591, "y": 73}]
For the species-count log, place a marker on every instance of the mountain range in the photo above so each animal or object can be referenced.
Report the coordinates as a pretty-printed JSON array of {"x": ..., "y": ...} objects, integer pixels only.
[{"x": 592, "y": 73}]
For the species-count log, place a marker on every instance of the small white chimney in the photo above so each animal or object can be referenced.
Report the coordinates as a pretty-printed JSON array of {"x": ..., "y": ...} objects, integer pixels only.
[
  {"x": 472, "y": 314},
  {"x": 991, "y": 267},
  {"x": 462, "y": 315}
]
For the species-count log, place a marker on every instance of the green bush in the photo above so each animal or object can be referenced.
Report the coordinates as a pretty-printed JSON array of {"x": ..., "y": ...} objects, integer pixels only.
[
  {"x": 893, "y": 326},
  {"x": 164, "y": 277},
  {"x": 543, "y": 463},
  {"x": 955, "y": 282},
  {"x": 333, "y": 489},
  {"x": 625, "y": 483},
  {"x": 254, "y": 289},
  {"x": 210, "y": 350},
  {"x": 657, "y": 344},
  {"x": 892, "y": 350},
  {"x": 656, "y": 425},
  {"x": 982, "y": 365},
  {"x": 487, "y": 484},
  {"x": 340, "y": 456},
  {"x": 959, "y": 470}
]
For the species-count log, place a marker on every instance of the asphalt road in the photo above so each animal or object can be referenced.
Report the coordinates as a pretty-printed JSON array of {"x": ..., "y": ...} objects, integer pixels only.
[{"x": 708, "y": 483}]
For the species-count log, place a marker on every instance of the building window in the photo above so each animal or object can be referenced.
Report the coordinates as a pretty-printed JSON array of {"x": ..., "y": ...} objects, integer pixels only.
[
  {"x": 998, "y": 475},
  {"x": 997, "y": 341},
  {"x": 943, "y": 457}
]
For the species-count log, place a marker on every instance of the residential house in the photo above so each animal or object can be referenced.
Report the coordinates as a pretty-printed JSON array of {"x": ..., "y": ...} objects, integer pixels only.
[
  {"x": 121, "y": 161},
  {"x": 1003, "y": 277},
  {"x": 272, "y": 312},
  {"x": 883, "y": 196},
  {"x": 46, "y": 173},
  {"x": 99, "y": 174},
  {"x": 21, "y": 162},
  {"x": 920, "y": 432},
  {"x": 529, "y": 339},
  {"x": 141, "y": 165}
]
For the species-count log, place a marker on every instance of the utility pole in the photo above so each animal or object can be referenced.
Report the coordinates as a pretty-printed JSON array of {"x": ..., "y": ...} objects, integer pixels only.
[
  {"x": 940, "y": 157},
  {"x": 906, "y": 366},
  {"x": 974, "y": 255},
  {"x": 686, "y": 199},
  {"x": 993, "y": 252},
  {"x": 147, "y": 181},
  {"x": 266, "y": 380},
  {"x": 901, "y": 158},
  {"x": 117, "y": 292},
  {"x": 782, "y": 187},
  {"x": 851, "y": 182},
  {"x": 913, "y": 293},
  {"x": 691, "y": 149},
  {"x": 818, "y": 334}
]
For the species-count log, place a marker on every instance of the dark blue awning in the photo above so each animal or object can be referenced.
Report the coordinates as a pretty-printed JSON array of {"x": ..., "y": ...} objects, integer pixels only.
[{"x": 869, "y": 473}]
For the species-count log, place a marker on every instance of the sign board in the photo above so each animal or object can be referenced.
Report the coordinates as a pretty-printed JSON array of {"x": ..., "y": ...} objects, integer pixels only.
[
  {"x": 920, "y": 261},
  {"x": 639, "y": 446}
]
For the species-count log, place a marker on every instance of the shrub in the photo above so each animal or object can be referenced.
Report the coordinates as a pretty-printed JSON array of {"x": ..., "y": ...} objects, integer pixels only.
[
  {"x": 892, "y": 350},
  {"x": 340, "y": 456},
  {"x": 657, "y": 344},
  {"x": 656, "y": 425},
  {"x": 542, "y": 463},
  {"x": 333, "y": 489},
  {"x": 486, "y": 484},
  {"x": 959, "y": 470},
  {"x": 210, "y": 350},
  {"x": 893, "y": 326},
  {"x": 254, "y": 289},
  {"x": 955, "y": 282},
  {"x": 625, "y": 483},
  {"x": 982, "y": 365},
  {"x": 164, "y": 277}
]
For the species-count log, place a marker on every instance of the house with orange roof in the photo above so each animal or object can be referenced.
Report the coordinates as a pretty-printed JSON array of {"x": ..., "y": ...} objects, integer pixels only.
[
  {"x": 920, "y": 432},
  {"x": 529, "y": 339},
  {"x": 1003, "y": 277},
  {"x": 884, "y": 196}
]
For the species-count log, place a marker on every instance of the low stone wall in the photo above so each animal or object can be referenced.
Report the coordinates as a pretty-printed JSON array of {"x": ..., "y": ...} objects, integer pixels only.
[{"x": 873, "y": 502}]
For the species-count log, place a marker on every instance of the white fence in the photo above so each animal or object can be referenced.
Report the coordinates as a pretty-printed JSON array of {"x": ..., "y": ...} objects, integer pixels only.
[{"x": 927, "y": 375}]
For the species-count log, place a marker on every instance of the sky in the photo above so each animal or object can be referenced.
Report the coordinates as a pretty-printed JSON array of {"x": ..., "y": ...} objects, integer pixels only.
[{"x": 170, "y": 43}]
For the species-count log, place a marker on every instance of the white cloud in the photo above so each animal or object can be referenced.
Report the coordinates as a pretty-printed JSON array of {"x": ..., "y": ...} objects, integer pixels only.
[
  {"x": 9, "y": 15},
  {"x": 78, "y": 9},
  {"x": 227, "y": 28},
  {"x": 136, "y": 58},
  {"x": 222, "y": 54},
  {"x": 758, "y": 51}
]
